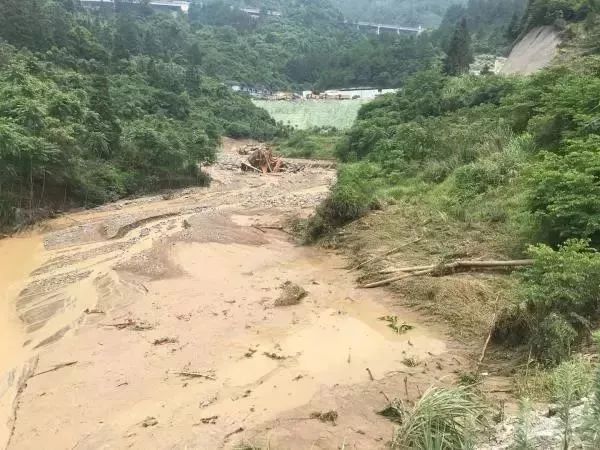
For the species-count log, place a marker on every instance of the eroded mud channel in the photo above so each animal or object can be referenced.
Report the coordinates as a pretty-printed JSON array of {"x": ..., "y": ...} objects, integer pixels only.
[{"x": 153, "y": 324}]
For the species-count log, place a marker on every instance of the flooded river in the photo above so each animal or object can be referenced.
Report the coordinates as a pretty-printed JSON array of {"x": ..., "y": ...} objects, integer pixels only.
[{"x": 152, "y": 323}]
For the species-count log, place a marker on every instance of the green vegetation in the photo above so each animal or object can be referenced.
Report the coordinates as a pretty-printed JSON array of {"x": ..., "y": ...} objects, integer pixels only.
[
  {"x": 306, "y": 114},
  {"x": 516, "y": 156},
  {"x": 88, "y": 114},
  {"x": 459, "y": 55},
  {"x": 557, "y": 300},
  {"x": 443, "y": 418},
  {"x": 307, "y": 47},
  {"x": 316, "y": 143},
  {"x": 494, "y": 25}
]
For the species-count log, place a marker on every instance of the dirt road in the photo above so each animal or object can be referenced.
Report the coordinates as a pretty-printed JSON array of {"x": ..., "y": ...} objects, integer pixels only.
[{"x": 151, "y": 323}]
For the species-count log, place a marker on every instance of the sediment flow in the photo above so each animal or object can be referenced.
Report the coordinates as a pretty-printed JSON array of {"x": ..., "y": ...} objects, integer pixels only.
[{"x": 152, "y": 323}]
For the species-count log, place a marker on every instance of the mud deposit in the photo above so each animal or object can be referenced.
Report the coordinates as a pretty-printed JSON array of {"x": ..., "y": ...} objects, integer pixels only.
[{"x": 152, "y": 324}]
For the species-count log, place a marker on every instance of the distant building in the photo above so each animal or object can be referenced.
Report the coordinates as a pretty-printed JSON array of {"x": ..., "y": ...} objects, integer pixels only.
[{"x": 347, "y": 94}]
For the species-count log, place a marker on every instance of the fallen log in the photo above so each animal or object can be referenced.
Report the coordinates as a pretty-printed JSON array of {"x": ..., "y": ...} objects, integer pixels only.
[
  {"x": 444, "y": 269},
  {"x": 406, "y": 269},
  {"x": 246, "y": 166},
  {"x": 388, "y": 253}
]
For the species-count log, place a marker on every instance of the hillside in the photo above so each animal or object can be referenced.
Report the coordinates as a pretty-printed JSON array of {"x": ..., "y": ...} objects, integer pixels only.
[
  {"x": 491, "y": 168},
  {"x": 536, "y": 50},
  {"x": 97, "y": 105}
]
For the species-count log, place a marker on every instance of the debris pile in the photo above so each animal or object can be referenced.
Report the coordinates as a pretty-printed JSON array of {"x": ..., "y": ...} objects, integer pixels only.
[{"x": 261, "y": 159}]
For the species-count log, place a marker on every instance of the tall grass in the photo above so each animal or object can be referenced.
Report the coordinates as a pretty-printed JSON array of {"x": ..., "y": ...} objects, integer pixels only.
[{"x": 443, "y": 419}]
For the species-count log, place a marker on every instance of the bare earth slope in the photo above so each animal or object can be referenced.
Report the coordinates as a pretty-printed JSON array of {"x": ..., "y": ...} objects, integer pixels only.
[
  {"x": 534, "y": 52},
  {"x": 151, "y": 323}
]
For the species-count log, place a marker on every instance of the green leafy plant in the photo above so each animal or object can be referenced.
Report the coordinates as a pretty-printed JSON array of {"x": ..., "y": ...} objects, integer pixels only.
[{"x": 557, "y": 300}]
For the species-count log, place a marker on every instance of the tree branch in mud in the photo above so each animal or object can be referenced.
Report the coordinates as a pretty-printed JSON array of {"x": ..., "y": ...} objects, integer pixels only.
[
  {"x": 447, "y": 269},
  {"x": 55, "y": 368},
  {"x": 195, "y": 375}
]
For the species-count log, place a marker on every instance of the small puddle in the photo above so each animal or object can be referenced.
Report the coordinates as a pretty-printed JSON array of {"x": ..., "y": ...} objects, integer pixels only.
[{"x": 19, "y": 256}]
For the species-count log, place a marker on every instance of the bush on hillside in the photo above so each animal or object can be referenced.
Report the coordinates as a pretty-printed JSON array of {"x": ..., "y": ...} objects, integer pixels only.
[
  {"x": 548, "y": 12},
  {"x": 565, "y": 192},
  {"x": 557, "y": 301},
  {"x": 352, "y": 196}
]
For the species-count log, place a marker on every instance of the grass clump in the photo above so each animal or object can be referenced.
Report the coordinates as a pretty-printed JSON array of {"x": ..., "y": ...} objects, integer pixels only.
[{"x": 444, "y": 418}]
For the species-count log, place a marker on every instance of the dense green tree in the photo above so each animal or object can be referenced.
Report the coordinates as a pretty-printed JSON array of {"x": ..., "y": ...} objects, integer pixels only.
[{"x": 459, "y": 54}]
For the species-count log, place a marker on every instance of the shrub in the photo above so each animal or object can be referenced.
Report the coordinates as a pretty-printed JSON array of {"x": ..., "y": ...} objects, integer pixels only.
[
  {"x": 571, "y": 381},
  {"x": 557, "y": 300},
  {"x": 352, "y": 196},
  {"x": 565, "y": 192}
]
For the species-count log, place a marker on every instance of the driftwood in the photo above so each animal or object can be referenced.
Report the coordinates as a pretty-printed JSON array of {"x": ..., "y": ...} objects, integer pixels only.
[
  {"x": 388, "y": 253},
  {"x": 444, "y": 269},
  {"x": 246, "y": 166}
]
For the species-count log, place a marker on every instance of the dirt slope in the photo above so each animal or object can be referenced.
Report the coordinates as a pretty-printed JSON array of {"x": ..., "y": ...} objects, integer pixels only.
[
  {"x": 151, "y": 324},
  {"x": 534, "y": 52}
]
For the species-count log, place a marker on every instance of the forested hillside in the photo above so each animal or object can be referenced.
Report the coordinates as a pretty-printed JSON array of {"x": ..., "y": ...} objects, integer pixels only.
[
  {"x": 517, "y": 156},
  {"x": 97, "y": 105}
]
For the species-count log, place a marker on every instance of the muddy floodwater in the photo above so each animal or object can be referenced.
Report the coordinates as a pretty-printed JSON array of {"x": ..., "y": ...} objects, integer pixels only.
[
  {"x": 18, "y": 257},
  {"x": 151, "y": 323}
]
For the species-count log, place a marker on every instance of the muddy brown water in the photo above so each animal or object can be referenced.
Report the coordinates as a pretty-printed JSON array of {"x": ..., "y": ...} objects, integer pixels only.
[
  {"x": 18, "y": 257},
  {"x": 167, "y": 335}
]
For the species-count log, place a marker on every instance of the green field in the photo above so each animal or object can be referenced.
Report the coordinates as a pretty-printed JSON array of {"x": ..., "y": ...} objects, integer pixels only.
[{"x": 305, "y": 114}]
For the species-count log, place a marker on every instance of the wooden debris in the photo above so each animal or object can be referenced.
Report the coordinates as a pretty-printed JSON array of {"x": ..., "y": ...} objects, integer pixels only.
[
  {"x": 274, "y": 356},
  {"x": 209, "y": 420},
  {"x": 190, "y": 374},
  {"x": 261, "y": 159},
  {"x": 130, "y": 323},
  {"x": 55, "y": 368},
  {"x": 370, "y": 374},
  {"x": 239, "y": 430},
  {"x": 487, "y": 341},
  {"x": 165, "y": 340},
  {"x": 329, "y": 416},
  {"x": 388, "y": 253},
  {"x": 149, "y": 422},
  {"x": 449, "y": 268}
]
